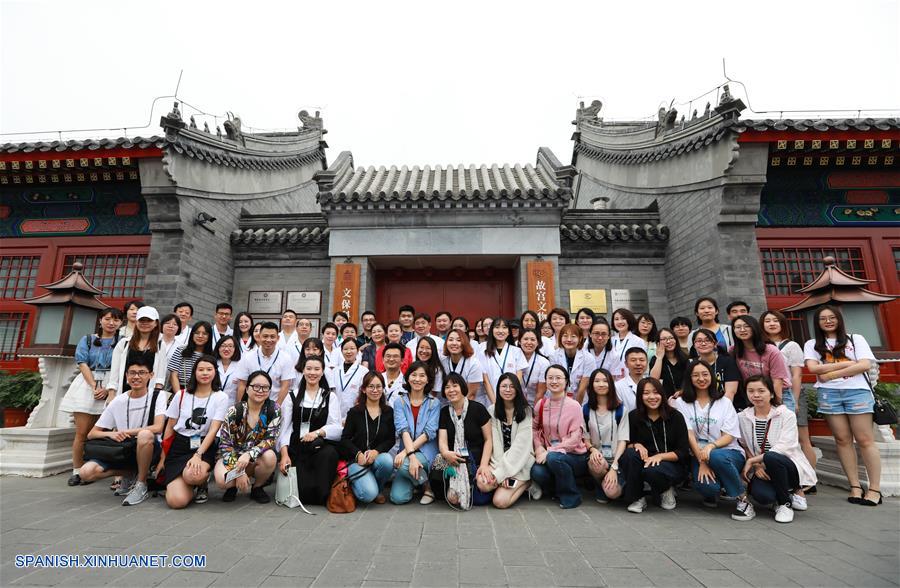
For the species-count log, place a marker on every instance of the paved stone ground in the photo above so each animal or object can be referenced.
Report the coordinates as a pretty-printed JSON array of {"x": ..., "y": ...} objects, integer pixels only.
[{"x": 533, "y": 544}]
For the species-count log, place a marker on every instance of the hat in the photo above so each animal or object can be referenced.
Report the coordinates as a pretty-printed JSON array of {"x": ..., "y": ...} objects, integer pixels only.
[{"x": 147, "y": 312}]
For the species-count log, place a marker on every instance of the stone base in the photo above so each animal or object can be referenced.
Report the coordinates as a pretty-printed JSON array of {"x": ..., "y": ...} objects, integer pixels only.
[
  {"x": 35, "y": 452},
  {"x": 830, "y": 472}
]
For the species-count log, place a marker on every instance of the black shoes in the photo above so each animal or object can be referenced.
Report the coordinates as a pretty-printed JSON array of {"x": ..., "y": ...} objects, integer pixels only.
[
  {"x": 230, "y": 495},
  {"x": 259, "y": 495},
  {"x": 74, "y": 480},
  {"x": 855, "y": 499}
]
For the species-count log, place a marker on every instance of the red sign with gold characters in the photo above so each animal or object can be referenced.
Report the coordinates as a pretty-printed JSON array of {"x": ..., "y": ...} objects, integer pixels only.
[
  {"x": 541, "y": 287},
  {"x": 346, "y": 289}
]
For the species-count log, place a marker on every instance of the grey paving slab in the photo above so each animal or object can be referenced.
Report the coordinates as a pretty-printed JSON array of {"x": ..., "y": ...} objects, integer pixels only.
[{"x": 534, "y": 543}]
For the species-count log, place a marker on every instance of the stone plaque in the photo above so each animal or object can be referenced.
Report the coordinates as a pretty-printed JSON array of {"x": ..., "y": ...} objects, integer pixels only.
[
  {"x": 634, "y": 300},
  {"x": 265, "y": 302},
  {"x": 593, "y": 299},
  {"x": 305, "y": 302}
]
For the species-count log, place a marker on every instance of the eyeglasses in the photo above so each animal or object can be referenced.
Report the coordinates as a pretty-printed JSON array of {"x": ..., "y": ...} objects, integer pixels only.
[
  {"x": 374, "y": 387},
  {"x": 140, "y": 374},
  {"x": 741, "y": 327},
  {"x": 223, "y": 313},
  {"x": 556, "y": 378},
  {"x": 666, "y": 339},
  {"x": 699, "y": 341},
  {"x": 260, "y": 387}
]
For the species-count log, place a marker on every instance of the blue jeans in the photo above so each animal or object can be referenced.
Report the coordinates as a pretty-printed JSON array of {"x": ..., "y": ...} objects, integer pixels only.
[
  {"x": 726, "y": 464},
  {"x": 372, "y": 482},
  {"x": 402, "y": 488},
  {"x": 787, "y": 399},
  {"x": 660, "y": 477},
  {"x": 560, "y": 470}
]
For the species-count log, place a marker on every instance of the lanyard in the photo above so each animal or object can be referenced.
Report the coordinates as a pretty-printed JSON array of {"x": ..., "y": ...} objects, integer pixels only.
[
  {"x": 623, "y": 346},
  {"x": 312, "y": 408},
  {"x": 259, "y": 361},
  {"x": 603, "y": 359},
  {"x": 193, "y": 399},
  {"x": 697, "y": 423},
  {"x": 377, "y": 426},
  {"x": 341, "y": 378},
  {"x": 144, "y": 410},
  {"x": 461, "y": 364},
  {"x": 502, "y": 361},
  {"x": 614, "y": 429},
  {"x": 653, "y": 434},
  {"x": 226, "y": 374},
  {"x": 531, "y": 368}
]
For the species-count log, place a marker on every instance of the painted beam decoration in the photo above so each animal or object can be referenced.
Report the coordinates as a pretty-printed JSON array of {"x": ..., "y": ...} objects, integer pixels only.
[{"x": 541, "y": 287}]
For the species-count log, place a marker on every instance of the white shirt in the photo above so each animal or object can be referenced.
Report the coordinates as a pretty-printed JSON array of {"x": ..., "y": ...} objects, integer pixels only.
[
  {"x": 548, "y": 345},
  {"x": 188, "y": 409},
  {"x": 228, "y": 380},
  {"x": 333, "y": 427},
  {"x": 413, "y": 343},
  {"x": 167, "y": 350},
  {"x": 857, "y": 348},
  {"x": 581, "y": 368},
  {"x": 347, "y": 386},
  {"x": 393, "y": 390},
  {"x": 621, "y": 346},
  {"x": 182, "y": 338},
  {"x": 123, "y": 412},
  {"x": 286, "y": 340},
  {"x": 607, "y": 360},
  {"x": 279, "y": 366},
  {"x": 510, "y": 359},
  {"x": 533, "y": 374},
  {"x": 245, "y": 347},
  {"x": 711, "y": 421},
  {"x": 467, "y": 367},
  {"x": 333, "y": 360},
  {"x": 216, "y": 335},
  {"x": 626, "y": 390}
]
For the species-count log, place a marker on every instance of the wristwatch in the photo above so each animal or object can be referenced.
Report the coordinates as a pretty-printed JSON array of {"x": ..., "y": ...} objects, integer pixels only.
[{"x": 615, "y": 466}]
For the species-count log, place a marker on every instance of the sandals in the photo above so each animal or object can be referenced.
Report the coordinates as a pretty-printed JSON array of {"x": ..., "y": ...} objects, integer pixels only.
[
  {"x": 427, "y": 497},
  {"x": 855, "y": 499},
  {"x": 866, "y": 502}
]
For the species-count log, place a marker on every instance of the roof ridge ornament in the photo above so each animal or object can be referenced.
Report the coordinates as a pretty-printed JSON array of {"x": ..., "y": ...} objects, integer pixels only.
[
  {"x": 233, "y": 128},
  {"x": 311, "y": 123},
  {"x": 588, "y": 113},
  {"x": 729, "y": 107}
]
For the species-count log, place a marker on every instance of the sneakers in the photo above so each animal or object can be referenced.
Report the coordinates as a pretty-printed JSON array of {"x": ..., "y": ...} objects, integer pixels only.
[
  {"x": 259, "y": 495},
  {"x": 201, "y": 496},
  {"x": 784, "y": 514},
  {"x": 230, "y": 495},
  {"x": 667, "y": 499},
  {"x": 743, "y": 510},
  {"x": 138, "y": 494},
  {"x": 124, "y": 487},
  {"x": 798, "y": 503},
  {"x": 74, "y": 480},
  {"x": 710, "y": 502},
  {"x": 638, "y": 506},
  {"x": 602, "y": 499}
]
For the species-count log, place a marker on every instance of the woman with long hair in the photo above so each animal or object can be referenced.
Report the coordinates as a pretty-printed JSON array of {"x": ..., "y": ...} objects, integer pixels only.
[
  {"x": 367, "y": 439},
  {"x": 600, "y": 349},
  {"x": 574, "y": 359},
  {"x": 706, "y": 309},
  {"x": 243, "y": 330},
  {"x": 427, "y": 353},
  {"x": 129, "y": 317},
  {"x": 606, "y": 434},
  {"x": 349, "y": 377},
  {"x": 144, "y": 342},
  {"x": 776, "y": 469},
  {"x": 754, "y": 355},
  {"x": 625, "y": 333},
  {"x": 86, "y": 396},
  {"x": 500, "y": 356},
  {"x": 512, "y": 444},
  {"x": 669, "y": 363},
  {"x": 194, "y": 417},
  {"x": 584, "y": 318},
  {"x": 182, "y": 362},
  {"x": 648, "y": 332},
  {"x": 228, "y": 356},
  {"x": 459, "y": 357},
  {"x": 840, "y": 360}
]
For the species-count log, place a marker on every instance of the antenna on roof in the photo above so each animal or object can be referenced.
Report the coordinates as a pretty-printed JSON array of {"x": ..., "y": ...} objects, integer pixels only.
[{"x": 178, "y": 85}]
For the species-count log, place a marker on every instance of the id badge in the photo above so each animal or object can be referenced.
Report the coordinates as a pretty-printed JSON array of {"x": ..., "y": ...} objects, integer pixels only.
[
  {"x": 607, "y": 451},
  {"x": 100, "y": 376},
  {"x": 702, "y": 442},
  {"x": 195, "y": 441},
  {"x": 304, "y": 429}
]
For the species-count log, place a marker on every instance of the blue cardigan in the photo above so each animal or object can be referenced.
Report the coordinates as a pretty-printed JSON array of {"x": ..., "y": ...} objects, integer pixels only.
[{"x": 426, "y": 423}]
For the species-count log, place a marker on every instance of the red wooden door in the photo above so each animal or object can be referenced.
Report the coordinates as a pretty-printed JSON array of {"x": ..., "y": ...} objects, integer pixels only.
[{"x": 469, "y": 293}]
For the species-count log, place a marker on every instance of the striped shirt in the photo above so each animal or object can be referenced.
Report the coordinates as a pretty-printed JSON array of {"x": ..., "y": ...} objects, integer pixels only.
[
  {"x": 759, "y": 429},
  {"x": 183, "y": 365}
]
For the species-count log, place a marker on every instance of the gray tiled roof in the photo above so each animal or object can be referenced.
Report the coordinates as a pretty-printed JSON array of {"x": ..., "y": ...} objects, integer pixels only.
[
  {"x": 614, "y": 225},
  {"x": 817, "y": 124},
  {"x": 85, "y": 145},
  {"x": 548, "y": 179},
  {"x": 298, "y": 229}
]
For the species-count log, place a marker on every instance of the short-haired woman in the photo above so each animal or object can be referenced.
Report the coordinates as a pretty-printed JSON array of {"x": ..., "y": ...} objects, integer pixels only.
[
  {"x": 599, "y": 348},
  {"x": 247, "y": 440},
  {"x": 459, "y": 358},
  {"x": 626, "y": 336},
  {"x": 367, "y": 439},
  {"x": 512, "y": 444},
  {"x": 574, "y": 360},
  {"x": 776, "y": 469}
]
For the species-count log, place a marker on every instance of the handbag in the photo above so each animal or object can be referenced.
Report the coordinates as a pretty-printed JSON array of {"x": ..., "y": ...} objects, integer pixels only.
[
  {"x": 884, "y": 413},
  {"x": 286, "y": 492},
  {"x": 115, "y": 454},
  {"x": 341, "y": 498}
]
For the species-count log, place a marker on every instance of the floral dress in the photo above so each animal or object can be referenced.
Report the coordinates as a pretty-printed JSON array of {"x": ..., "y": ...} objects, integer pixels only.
[{"x": 235, "y": 438}]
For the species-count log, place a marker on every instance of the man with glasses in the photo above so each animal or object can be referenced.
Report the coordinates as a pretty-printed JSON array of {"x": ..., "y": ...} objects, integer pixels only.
[
  {"x": 270, "y": 358},
  {"x": 392, "y": 356},
  {"x": 135, "y": 418},
  {"x": 221, "y": 326},
  {"x": 727, "y": 374}
]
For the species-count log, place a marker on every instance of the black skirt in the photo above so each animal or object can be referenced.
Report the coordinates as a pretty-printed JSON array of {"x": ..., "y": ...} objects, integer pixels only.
[{"x": 180, "y": 453}]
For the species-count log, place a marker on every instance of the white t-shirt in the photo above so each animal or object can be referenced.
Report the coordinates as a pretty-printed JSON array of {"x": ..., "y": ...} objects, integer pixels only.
[
  {"x": 124, "y": 412},
  {"x": 347, "y": 385},
  {"x": 393, "y": 390},
  {"x": 711, "y": 421},
  {"x": 245, "y": 346},
  {"x": 581, "y": 368},
  {"x": 188, "y": 410},
  {"x": 857, "y": 348},
  {"x": 533, "y": 374},
  {"x": 626, "y": 390},
  {"x": 510, "y": 359},
  {"x": 332, "y": 426},
  {"x": 792, "y": 353},
  {"x": 216, "y": 335},
  {"x": 548, "y": 345},
  {"x": 279, "y": 366},
  {"x": 606, "y": 432},
  {"x": 228, "y": 379},
  {"x": 334, "y": 359}
]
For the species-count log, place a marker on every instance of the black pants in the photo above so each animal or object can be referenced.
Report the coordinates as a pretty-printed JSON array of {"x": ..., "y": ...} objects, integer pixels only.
[
  {"x": 315, "y": 472},
  {"x": 784, "y": 479},
  {"x": 660, "y": 478}
]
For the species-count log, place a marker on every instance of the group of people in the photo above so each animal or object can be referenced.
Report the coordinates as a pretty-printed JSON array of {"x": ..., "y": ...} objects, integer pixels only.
[{"x": 632, "y": 411}]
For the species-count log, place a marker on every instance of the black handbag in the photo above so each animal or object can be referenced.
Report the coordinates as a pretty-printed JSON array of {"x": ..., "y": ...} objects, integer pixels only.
[
  {"x": 112, "y": 453},
  {"x": 884, "y": 413}
]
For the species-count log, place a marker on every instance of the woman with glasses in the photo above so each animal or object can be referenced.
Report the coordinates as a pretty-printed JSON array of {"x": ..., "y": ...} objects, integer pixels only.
[
  {"x": 669, "y": 363},
  {"x": 600, "y": 349},
  {"x": 840, "y": 360},
  {"x": 228, "y": 353},
  {"x": 247, "y": 440},
  {"x": 367, "y": 439},
  {"x": 728, "y": 377},
  {"x": 755, "y": 356}
]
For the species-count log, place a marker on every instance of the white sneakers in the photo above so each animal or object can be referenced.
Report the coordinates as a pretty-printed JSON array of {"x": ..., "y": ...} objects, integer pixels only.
[
  {"x": 798, "y": 502},
  {"x": 138, "y": 494},
  {"x": 743, "y": 510},
  {"x": 638, "y": 506},
  {"x": 667, "y": 499},
  {"x": 784, "y": 513}
]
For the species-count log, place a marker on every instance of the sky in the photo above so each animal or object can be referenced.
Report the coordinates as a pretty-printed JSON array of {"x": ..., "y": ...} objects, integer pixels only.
[{"x": 414, "y": 83}]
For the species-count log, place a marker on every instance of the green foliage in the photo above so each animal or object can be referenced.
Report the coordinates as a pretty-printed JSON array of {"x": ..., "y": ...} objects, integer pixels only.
[
  {"x": 812, "y": 403},
  {"x": 20, "y": 390},
  {"x": 889, "y": 393}
]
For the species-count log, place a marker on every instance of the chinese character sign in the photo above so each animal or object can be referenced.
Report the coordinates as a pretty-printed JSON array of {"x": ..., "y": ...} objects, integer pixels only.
[
  {"x": 541, "y": 287},
  {"x": 346, "y": 289}
]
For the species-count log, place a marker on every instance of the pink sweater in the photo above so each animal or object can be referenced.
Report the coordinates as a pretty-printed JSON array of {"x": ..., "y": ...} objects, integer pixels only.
[{"x": 562, "y": 420}]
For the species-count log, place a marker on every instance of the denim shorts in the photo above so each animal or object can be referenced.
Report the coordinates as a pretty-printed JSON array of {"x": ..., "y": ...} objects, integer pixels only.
[{"x": 856, "y": 401}]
